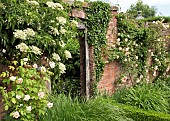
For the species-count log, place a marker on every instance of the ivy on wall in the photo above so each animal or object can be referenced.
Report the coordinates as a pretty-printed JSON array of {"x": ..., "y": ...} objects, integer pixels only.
[{"x": 98, "y": 17}]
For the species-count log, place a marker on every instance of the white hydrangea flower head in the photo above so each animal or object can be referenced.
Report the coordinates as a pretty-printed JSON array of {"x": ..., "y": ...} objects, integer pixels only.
[
  {"x": 74, "y": 22},
  {"x": 54, "y": 31},
  {"x": 62, "y": 30},
  {"x": 62, "y": 67},
  {"x": 16, "y": 114},
  {"x": 22, "y": 47},
  {"x": 61, "y": 20},
  {"x": 52, "y": 64},
  {"x": 19, "y": 34},
  {"x": 32, "y": 2},
  {"x": 55, "y": 5},
  {"x": 51, "y": 5},
  {"x": 56, "y": 57},
  {"x": 59, "y": 6},
  {"x": 61, "y": 43},
  {"x": 35, "y": 50},
  {"x": 67, "y": 54},
  {"x": 29, "y": 32}
]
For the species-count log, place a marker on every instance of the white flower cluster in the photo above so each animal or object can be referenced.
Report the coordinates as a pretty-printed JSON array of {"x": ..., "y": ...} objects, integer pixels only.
[
  {"x": 29, "y": 32},
  {"x": 52, "y": 64},
  {"x": 62, "y": 67},
  {"x": 55, "y": 5},
  {"x": 32, "y": 2},
  {"x": 54, "y": 31},
  {"x": 22, "y": 47},
  {"x": 62, "y": 30},
  {"x": 73, "y": 22},
  {"x": 62, "y": 44},
  {"x": 23, "y": 34},
  {"x": 20, "y": 34},
  {"x": 61, "y": 20},
  {"x": 56, "y": 57},
  {"x": 67, "y": 54},
  {"x": 35, "y": 50}
]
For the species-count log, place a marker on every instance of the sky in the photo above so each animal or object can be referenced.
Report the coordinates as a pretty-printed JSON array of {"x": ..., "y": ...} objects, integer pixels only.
[{"x": 163, "y": 6}]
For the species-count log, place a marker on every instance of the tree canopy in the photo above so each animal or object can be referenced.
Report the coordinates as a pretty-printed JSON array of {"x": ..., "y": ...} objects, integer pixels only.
[{"x": 145, "y": 9}]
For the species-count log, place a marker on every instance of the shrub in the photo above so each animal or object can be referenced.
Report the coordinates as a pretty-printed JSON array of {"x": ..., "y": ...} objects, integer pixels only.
[
  {"x": 143, "y": 96},
  {"x": 25, "y": 96}
]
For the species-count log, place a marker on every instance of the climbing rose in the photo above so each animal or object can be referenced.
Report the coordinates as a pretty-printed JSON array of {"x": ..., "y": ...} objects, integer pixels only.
[
  {"x": 49, "y": 105},
  {"x": 16, "y": 114}
]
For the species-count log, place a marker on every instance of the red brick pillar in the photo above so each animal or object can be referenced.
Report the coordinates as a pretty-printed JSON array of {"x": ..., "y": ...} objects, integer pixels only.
[{"x": 111, "y": 70}]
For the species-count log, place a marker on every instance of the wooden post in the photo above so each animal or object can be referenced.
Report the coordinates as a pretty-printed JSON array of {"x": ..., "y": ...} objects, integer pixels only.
[
  {"x": 87, "y": 79},
  {"x": 84, "y": 63}
]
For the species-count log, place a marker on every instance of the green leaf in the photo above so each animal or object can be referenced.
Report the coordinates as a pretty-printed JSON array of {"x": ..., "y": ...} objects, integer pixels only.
[
  {"x": 6, "y": 107},
  {"x": 13, "y": 100}
]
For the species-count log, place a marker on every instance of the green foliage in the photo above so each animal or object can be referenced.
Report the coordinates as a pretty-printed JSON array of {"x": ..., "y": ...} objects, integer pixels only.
[
  {"x": 151, "y": 19},
  {"x": 148, "y": 97},
  {"x": 98, "y": 109},
  {"x": 26, "y": 96},
  {"x": 143, "y": 115},
  {"x": 137, "y": 46},
  {"x": 146, "y": 10},
  {"x": 98, "y": 17},
  {"x": 36, "y": 32},
  {"x": 69, "y": 83}
]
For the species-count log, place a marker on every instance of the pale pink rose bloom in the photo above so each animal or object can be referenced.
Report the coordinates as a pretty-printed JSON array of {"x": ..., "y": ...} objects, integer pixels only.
[
  {"x": 49, "y": 105},
  {"x": 26, "y": 98},
  {"x": 41, "y": 94},
  {"x": 35, "y": 66},
  {"x": 18, "y": 97},
  {"x": 16, "y": 114},
  {"x": 19, "y": 81},
  {"x": 12, "y": 78}
]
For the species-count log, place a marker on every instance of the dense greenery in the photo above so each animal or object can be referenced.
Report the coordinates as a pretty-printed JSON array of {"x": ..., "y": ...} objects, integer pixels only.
[
  {"x": 146, "y": 10},
  {"x": 35, "y": 33},
  {"x": 98, "y": 17},
  {"x": 97, "y": 109},
  {"x": 144, "y": 96},
  {"x": 141, "y": 47},
  {"x": 138, "y": 114}
]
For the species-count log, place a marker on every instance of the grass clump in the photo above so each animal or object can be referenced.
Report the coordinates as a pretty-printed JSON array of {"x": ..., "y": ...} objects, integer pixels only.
[{"x": 97, "y": 109}]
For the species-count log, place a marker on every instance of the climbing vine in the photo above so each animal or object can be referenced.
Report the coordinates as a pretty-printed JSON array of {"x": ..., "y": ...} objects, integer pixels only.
[
  {"x": 98, "y": 17},
  {"x": 141, "y": 50}
]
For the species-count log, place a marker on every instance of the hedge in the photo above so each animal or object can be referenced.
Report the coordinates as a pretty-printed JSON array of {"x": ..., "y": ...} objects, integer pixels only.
[
  {"x": 151, "y": 19},
  {"x": 143, "y": 115}
]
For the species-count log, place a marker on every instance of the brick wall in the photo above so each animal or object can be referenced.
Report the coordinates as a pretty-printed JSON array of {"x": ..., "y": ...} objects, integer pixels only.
[{"x": 111, "y": 70}]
